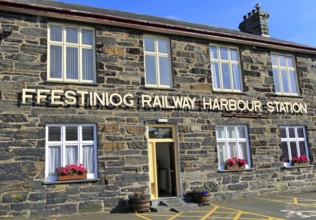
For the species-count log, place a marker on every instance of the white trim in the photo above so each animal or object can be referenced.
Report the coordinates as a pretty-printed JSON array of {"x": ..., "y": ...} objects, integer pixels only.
[
  {"x": 156, "y": 54},
  {"x": 279, "y": 68},
  {"x": 230, "y": 62},
  {"x": 64, "y": 45},
  {"x": 63, "y": 143}
]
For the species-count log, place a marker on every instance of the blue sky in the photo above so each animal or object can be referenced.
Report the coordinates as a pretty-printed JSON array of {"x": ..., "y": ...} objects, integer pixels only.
[{"x": 291, "y": 20}]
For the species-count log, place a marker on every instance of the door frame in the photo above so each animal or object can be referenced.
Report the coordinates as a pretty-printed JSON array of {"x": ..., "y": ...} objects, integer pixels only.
[{"x": 152, "y": 163}]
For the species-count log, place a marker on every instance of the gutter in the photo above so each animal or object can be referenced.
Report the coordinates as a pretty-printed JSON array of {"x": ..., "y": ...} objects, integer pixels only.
[{"x": 104, "y": 19}]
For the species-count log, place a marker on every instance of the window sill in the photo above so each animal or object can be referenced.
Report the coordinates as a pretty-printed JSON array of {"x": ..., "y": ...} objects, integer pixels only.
[
  {"x": 69, "y": 83},
  {"x": 293, "y": 167},
  {"x": 70, "y": 181},
  {"x": 157, "y": 88},
  {"x": 229, "y": 92},
  {"x": 241, "y": 170},
  {"x": 283, "y": 95}
]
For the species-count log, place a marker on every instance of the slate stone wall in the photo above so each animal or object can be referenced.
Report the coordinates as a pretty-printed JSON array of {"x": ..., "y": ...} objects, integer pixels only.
[{"x": 122, "y": 144}]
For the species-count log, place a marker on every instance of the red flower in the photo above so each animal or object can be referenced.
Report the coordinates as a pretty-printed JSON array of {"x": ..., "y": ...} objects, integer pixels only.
[
  {"x": 235, "y": 161},
  {"x": 69, "y": 170}
]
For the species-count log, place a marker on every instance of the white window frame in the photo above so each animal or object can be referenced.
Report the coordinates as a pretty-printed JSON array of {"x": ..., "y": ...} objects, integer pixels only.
[
  {"x": 287, "y": 68},
  {"x": 230, "y": 62},
  {"x": 64, "y": 45},
  {"x": 157, "y": 54},
  {"x": 296, "y": 139},
  {"x": 226, "y": 150},
  {"x": 63, "y": 143}
]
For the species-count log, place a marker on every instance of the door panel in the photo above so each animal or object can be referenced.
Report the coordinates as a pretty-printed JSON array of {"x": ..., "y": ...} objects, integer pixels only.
[{"x": 153, "y": 170}]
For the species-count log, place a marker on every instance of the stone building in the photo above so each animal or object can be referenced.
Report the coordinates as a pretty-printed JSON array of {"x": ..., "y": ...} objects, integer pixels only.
[{"x": 147, "y": 104}]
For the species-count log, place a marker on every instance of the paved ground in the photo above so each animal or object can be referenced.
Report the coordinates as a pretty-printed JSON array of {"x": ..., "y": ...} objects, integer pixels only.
[{"x": 293, "y": 206}]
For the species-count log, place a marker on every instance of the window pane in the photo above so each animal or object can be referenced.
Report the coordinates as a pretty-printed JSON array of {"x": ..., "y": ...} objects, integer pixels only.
[
  {"x": 149, "y": 44},
  {"x": 293, "y": 149},
  {"x": 88, "y": 153},
  {"x": 72, "y": 155},
  {"x": 300, "y": 132},
  {"x": 55, "y": 61},
  {"x": 54, "y": 134},
  {"x": 72, "y": 63},
  {"x": 226, "y": 76},
  {"x": 285, "y": 152},
  {"x": 165, "y": 72},
  {"x": 220, "y": 149},
  {"x": 71, "y": 133},
  {"x": 87, "y": 133},
  {"x": 285, "y": 82},
  {"x": 283, "y": 132},
  {"x": 276, "y": 80},
  {"x": 282, "y": 60},
  {"x": 236, "y": 77},
  {"x": 54, "y": 159},
  {"x": 290, "y": 61},
  {"x": 163, "y": 46},
  {"x": 302, "y": 148},
  {"x": 220, "y": 132},
  {"x": 231, "y": 132},
  {"x": 87, "y": 64},
  {"x": 215, "y": 75},
  {"x": 160, "y": 133},
  {"x": 233, "y": 55},
  {"x": 87, "y": 37},
  {"x": 72, "y": 35},
  {"x": 224, "y": 53},
  {"x": 56, "y": 33},
  {"x": 232, "y": 150},
  {"x": 274, "y": 60},
  {"x": 150, "y": 65},
  {"x": 293, "y": 82},
  {"x": 241, "y": 132},
  {"x": 243, "y": 151},
  {"x": 291, "y": 133},
  {"x": 213, "y": 52}
]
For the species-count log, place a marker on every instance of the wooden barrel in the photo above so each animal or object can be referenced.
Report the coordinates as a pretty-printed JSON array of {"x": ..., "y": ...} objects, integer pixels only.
[{"x": 140, "y": 205}]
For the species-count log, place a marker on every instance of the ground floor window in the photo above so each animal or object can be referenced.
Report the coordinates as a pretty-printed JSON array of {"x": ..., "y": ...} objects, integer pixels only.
[
  {"x": 70, "y": 144},
  {"x": 232, "y": 142},
  {"x": 293, "y": 143}
]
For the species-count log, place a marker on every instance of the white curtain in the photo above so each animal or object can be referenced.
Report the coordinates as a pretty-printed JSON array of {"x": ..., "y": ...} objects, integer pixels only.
[
  {"x": 87, "y": 64},
  {"x": 72, "y": 63},
  {"x": 55, "y": 61},
  {"x": 72, "y": 155},
  {"x": 54, "y": 159},
  {"x": 88, "y": 158}
]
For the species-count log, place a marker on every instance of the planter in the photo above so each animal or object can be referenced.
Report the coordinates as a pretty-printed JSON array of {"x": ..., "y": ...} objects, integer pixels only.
[
  {"x": 72, "y": 177},
  {"x": 300, "y": 164},
  {"x": 235, "y": 167},
  {"x": 140, "y": 205},
  {"x": 203, "y": 199}
]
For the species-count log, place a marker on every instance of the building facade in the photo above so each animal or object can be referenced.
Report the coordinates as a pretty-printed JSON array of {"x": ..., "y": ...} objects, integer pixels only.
[{"x": 146, "y": 104}]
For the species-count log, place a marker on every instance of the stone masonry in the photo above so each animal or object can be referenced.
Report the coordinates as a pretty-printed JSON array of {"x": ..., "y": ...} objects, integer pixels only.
[{"x": 122, "y": 144}]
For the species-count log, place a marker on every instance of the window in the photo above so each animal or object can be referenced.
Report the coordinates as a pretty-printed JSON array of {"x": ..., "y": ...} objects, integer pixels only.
[
  {"x": 70, "y": 144},
  {"x": 71, "y": 54},
  {"x": 293, "y": 142},
  {"x": 225, "y": 69},
  {"x": 157, "y": 62},
  {"x": 232, "y": 141},
  {"x": 284, "y": 74}
]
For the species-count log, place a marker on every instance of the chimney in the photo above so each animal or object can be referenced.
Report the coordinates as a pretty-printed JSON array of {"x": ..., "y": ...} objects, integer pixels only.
[{"x": 256, "y": 22}]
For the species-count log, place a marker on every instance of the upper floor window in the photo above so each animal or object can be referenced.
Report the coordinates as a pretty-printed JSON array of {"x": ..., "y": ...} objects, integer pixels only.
[
  {"x": 70, "y": 144},
  {"x": 232, "y": 142},
  {"x": 293, "y": 142},
  {"x": 284, "y": 74},
  {"x": 71, "y": 56},
  {"x": 225, "y": 67},
  {"x": 157, "y": 62}
]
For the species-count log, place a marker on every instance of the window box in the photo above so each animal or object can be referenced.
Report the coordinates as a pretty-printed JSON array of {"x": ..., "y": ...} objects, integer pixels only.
[
  {"x": 72, "y": 177},
  {"x": 236, "y": 167}
]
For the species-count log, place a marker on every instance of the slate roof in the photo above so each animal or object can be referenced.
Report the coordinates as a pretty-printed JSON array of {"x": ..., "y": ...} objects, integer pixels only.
[{"x": 163, "y": 22}]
